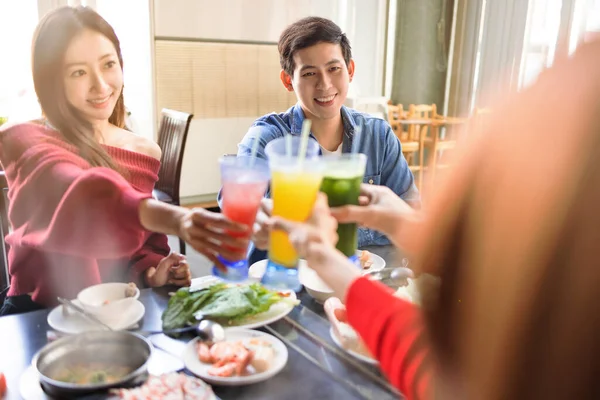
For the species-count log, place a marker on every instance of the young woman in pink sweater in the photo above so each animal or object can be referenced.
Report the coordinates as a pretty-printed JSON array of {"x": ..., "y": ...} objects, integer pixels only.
[
  {"x": 513, "y": 234},
  {"x": 80, "y": 184}
]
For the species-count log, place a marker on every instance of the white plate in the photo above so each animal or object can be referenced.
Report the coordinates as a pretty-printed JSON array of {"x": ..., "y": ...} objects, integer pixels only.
[
  {"x": 353, "y": 353},
  {"x": 275, "y": 313},
  {"x": 378, "y": 263},
  {"x": 200, "y": 369},
  {"x": 257, "y": 270},
  {"x": 76, "y": 323}
]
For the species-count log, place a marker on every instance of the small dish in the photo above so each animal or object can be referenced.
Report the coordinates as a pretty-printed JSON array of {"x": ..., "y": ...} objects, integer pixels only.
[
  {"x": 353, "y": 353},
  {"x": 107, "y": 301},
  {"x": 313, "y": 284},
  {"x": 73, "y": 322},
  {"x": 193, "y": 364}
]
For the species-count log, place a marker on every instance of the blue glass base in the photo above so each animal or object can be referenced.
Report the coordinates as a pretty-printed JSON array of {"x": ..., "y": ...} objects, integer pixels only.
[
  {"x": 354, "y": 260},
  {"x": 237, "y": 271},
  {"x": 279, "y": 277}
]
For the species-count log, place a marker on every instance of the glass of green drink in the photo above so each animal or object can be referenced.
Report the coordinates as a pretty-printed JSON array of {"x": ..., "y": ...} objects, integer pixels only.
[{"x": 341, "y": 183}]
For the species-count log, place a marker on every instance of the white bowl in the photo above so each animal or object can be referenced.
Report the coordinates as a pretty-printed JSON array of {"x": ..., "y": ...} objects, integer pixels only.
[
  {"x": 314, "y": 285},
  {"x": 107, "y": 301}
]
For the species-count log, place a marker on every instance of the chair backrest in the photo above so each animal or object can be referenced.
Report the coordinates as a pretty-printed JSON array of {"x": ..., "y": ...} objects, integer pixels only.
[
  {"x": 395, "y": 114},
  {"x": 420, "y": 111},
  {"x": 4, "y": 229},
  {"x": 172, "y": 135}
]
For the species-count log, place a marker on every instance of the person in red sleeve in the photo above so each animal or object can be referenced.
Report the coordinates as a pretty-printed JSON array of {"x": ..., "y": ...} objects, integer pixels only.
[
  {"x": 513, "y": 236},
  {"x": 80, "y": 184}
]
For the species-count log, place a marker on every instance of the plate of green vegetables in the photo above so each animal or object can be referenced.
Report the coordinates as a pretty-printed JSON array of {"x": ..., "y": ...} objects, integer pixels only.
[{"x": 248, "y": 305}]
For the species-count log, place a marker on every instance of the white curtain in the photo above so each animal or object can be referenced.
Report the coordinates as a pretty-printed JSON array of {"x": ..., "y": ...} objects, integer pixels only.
[
  {"x": 486, "y": 52},
  {"x": 501, "y": 46}
]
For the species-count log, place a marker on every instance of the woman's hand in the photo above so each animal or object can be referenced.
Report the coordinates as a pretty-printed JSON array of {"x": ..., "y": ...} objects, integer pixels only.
[
  {"x": 380, "y": 209},
  {"x": 315, "y": 241},
  {"x": 260, "y": 235},
  {"x": 319, "y": 229},
  {"x": 171, "y": 270},
  {"x": 213, "y": 234},
  {"x": 209, "y": 233}
]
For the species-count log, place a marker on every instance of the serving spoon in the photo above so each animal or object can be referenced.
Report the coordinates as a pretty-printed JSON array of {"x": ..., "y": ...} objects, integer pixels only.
[{"x": 205, "y": 330}]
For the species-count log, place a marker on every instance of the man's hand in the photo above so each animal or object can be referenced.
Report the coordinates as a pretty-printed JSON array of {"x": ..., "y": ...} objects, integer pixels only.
[{"x": 260, "y": 235}]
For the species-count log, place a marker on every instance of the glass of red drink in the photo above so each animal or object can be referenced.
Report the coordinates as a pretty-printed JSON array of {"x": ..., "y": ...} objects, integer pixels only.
[{"x": 244, "y": 183}]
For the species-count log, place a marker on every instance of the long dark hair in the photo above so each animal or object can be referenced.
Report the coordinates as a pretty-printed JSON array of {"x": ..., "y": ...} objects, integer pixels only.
[
  {"x": 514, "y": 237},
  {"x": 50, "y": 42}
]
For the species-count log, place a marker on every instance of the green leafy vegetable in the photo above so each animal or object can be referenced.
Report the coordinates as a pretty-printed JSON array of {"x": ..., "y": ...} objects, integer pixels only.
[{"x": 222, "y": 302}]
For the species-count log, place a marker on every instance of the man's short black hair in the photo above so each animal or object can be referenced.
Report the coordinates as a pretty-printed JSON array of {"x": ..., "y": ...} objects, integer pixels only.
[{"x": 308, "y": 32}]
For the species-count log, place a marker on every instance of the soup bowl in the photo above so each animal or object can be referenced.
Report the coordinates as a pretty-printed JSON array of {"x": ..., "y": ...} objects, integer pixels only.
[
  {"x": 107, "y": 301},
  {"x": 92, "y": 362}
]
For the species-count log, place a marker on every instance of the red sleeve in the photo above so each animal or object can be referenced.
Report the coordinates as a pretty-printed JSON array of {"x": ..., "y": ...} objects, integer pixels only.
[
  {"x": 152, "y": 252},
  {"x": 392, "y": 330},
  {"x": 59, "y": 204}
]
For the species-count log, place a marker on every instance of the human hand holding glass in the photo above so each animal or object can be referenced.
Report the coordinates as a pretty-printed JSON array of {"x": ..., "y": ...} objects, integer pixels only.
[
  {"x": 315, "y": 240},
  {"x": 260, "y": 234},
  {"x": 209, "y": 233},
  {"x": 379, "y": 209}
]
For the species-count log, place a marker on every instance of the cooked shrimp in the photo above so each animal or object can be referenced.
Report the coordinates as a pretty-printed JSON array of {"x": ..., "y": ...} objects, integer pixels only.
[
  {"x": 225, "y": 353},
  {"x": 365, "y": 259},
  {"x": 222, "y": 371},
  {"x": 204, "y": 353}
]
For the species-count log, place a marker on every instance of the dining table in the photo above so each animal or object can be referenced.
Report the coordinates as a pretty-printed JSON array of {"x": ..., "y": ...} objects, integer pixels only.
[{"x": 316, "y": 367}]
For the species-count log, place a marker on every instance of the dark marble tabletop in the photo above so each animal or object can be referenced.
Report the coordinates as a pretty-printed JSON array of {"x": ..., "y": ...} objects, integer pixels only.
[{"x": 316, "y": 368}]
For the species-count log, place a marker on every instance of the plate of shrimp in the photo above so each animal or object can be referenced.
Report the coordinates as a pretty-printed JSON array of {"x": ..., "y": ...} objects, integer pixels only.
[{"x": 246, "y": 356}]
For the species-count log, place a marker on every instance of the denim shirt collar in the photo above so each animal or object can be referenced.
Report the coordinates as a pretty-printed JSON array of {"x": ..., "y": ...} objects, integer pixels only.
[{"x": 297, "y": 118}]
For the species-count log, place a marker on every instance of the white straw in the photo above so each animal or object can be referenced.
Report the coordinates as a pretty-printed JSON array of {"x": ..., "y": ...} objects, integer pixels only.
[
  {"x": 304, "y": 140},
  {"x": 254, "y": 149},
  {"x": 355, "y": 140}
]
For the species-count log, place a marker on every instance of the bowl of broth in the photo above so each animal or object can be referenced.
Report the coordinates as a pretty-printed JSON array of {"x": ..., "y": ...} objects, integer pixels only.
[{"x": 92, "y": 362}]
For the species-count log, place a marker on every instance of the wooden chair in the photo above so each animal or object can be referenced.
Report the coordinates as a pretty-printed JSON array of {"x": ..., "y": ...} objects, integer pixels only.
[
  {"x": 408, "y": 138},
  {"x": 4, "y": 230},
  {"x": 395, "y": 113},
  {"x": 172, "y": 135},
  {"x": 419, "y": 133},
  {"x": 432, "y": 140}
]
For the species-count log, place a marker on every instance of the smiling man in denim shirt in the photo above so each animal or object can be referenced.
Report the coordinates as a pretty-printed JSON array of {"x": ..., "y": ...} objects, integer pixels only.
[{"x": 317, "y": 65}]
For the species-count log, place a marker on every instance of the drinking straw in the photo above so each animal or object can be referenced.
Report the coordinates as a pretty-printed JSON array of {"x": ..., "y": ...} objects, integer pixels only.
[
  {"x": 355, "y": 140},
  {"x": 254, "y": 150},
  {"x": 304, "y": 140}
]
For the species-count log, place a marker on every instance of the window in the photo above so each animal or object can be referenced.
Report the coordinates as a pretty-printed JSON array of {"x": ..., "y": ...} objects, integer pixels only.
[
  {"x": 540, "y": 38},
  {"x": 18, "y": 101}
]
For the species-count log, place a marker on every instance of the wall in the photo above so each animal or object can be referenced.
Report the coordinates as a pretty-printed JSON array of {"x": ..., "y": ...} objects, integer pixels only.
[
  {"x": 259, "y": 21},
  {"x": 420, "y": 54}
]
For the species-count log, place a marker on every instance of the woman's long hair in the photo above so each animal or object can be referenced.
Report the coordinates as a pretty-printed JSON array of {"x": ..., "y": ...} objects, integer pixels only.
[
  {"x": 50, "y": 42},
  {"x": 515, "y": 238}
]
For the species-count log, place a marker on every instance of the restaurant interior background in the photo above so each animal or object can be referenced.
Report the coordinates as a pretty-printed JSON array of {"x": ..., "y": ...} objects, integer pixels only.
[{"x": 219, "y": 61}]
